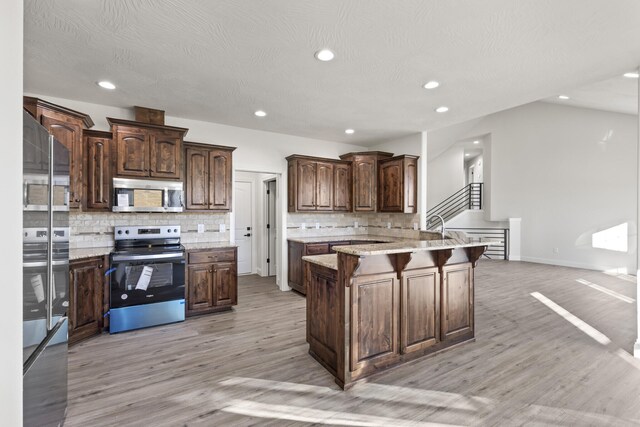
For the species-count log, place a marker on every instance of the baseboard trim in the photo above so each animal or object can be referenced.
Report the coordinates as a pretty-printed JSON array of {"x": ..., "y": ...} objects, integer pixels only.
[{"x": 563, "y": 263}]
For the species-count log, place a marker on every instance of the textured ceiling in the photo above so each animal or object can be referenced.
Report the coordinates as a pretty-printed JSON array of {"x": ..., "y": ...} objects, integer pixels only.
[
  {"x": 220, "y": 61},
  {"x": 618, "y": 94}
]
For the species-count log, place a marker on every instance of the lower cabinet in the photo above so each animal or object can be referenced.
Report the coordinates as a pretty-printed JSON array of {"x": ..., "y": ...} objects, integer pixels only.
[
  {"x": 212, "y": 280},
  {"x": 420, "y": 314},
  {"x": 87, "y": 298},
  {"x": 457, "y": 301}
]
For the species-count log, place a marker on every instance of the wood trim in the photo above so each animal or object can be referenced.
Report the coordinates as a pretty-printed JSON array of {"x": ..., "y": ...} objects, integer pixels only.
[
  {"x": 315, "y": 159},
  {"x": 131, "y": 123},
  {"x": 201, "y": 145},
  {"x": 33, "y": 103}
]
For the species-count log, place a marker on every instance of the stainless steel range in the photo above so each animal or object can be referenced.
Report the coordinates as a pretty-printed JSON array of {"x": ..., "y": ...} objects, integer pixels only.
[{"x": 147, "y": 277}]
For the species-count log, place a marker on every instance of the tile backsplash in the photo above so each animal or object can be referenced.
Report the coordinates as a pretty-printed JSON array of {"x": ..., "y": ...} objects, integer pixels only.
[
  {"x": 343, "y": 224},
  {"x": 95, "y": 229}
]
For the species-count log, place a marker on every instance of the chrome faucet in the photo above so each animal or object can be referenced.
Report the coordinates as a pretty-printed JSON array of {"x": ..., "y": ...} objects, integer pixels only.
[{"x": 441, "y": 220}]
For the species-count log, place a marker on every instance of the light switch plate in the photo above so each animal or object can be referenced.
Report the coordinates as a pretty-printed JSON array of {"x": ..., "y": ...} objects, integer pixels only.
[
  {"x": 317, "y": 225},
  {"x": 200, "y": 228},
  {"x": 415, "y": 226},
  {"x": 355, "y": 224},
  {"x": 302, "y": 226},
  {"x": 223, "y": 228},
  {"x": 388, "y": 225}
]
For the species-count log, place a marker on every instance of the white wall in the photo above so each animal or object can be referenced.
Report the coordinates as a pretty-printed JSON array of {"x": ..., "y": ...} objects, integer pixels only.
[
  {"x": 445, "y": 175},
  {"x": 11, "y": 34},
  {"x": 409, "y": 144},
  {"x": 568, "y": 173}
]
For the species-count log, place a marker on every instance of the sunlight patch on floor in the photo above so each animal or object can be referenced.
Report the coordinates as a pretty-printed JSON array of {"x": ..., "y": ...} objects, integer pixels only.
[
  {"x": 308, "y": 415},
  {"x": 574, "y": 320},
  {"x": 606, "y": 291}
]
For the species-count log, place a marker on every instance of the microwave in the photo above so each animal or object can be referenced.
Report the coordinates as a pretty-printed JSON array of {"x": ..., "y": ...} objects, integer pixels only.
[
  {"x": 36, "y": 192},
  {"x": 144, "y": 195}
]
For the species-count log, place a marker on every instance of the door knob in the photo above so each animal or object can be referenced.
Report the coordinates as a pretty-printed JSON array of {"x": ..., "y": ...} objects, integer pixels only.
[{"x": 247, "y": 235}]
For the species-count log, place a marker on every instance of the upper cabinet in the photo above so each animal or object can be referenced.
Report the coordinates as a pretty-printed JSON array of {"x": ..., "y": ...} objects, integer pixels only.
[
  {"x": 66, "y": 126},
  {"x": 364, "y": 168},
  {"x": 318, "y": 185},
  {"x": 397, "y": 184},
  {"x": 208, "y": 171},
  {"x": 98, "y": 153},
  {"x": 147, "y": 150}
]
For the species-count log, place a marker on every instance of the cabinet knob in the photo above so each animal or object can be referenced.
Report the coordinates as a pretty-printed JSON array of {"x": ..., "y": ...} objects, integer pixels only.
[
  {"x": 211, "y": 271},
  {"x": 100, "y": 266}
]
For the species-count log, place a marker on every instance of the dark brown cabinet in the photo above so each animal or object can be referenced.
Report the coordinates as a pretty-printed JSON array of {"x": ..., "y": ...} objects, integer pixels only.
[
  {"x": 364, "y": 170},
  {"x": 208, "y": 177},
  {"x": 420, "y": 315},
  {"x": 398, "y": 184},
  {"x": 457, "y": 301},
  {"x": 212, "y": 280},
  {"x": 318, "y": 185},
  {"x": 66, "y": 126},
  {"x": 98, "y": 154},
  {"x": 86, "y": 298},
  {"x": 146, "y": 150}
]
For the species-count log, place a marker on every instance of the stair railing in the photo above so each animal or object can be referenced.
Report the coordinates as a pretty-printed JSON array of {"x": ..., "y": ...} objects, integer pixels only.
[{"x": 468, "y": 197}]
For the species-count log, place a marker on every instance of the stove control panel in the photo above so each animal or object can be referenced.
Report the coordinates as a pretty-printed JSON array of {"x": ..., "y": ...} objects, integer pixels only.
[{"x": 147, "y": 232}]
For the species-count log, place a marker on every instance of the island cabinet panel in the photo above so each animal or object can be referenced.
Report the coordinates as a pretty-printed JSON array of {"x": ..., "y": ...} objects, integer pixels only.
[
  {"x": 165, "y": 155},
  {"x": 323, "y": 306},
  {"x": 212, "y": 280},
  {"x": 66, "y": 126},
  {"x": 420, "y": 310},
  {"x": 98, "y": 148},
  {"x": 342, "y": 188},
  {"x": 86, "y": 287},
  {"x": 397, "y": 184},
  {"x": 318, "y": 185},
  {"x": 457, "y": 300},
  {"x": 374, "y": 320},
  {"x": 208, "y": 171}
]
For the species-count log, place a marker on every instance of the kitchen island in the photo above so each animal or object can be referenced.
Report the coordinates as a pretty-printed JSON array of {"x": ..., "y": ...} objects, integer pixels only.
[{"x": 374, "y": 306}]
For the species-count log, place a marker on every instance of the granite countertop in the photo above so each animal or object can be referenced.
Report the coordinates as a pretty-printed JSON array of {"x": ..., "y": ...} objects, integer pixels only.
[
  {"x": 329, "y": 260},
  {"x": 413, "y": 246},
  {"x": 80, "y": 253},
  {"x": 208, "y": 245}
]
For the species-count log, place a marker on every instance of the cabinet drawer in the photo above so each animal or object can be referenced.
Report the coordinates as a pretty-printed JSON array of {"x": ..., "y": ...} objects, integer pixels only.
[
  {"x": 317, "y": 249},
  {"x": 211, "y": 256}
]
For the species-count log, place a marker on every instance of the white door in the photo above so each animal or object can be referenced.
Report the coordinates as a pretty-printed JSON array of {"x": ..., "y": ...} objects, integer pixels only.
[
  {"x": 272, "y": 230},
  {"x": 472, "y": 177},
  {"x": 244, "y": 234}
]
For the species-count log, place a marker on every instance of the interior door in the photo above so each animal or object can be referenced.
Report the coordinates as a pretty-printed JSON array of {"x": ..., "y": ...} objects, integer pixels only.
[
  {"x": 243, "y": 231},
  {"x": 272, "y": 230}
]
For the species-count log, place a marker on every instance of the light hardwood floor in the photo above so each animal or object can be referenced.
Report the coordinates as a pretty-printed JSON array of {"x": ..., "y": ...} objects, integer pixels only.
[{"x": 528, "y": 365}]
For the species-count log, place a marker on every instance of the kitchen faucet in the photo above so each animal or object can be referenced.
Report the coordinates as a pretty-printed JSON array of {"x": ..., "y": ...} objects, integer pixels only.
[{"x": 441, "y": 220}]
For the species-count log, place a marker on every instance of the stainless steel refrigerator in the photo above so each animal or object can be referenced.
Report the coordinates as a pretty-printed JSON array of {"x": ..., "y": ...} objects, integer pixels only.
[{"x": 45, "y": 275}]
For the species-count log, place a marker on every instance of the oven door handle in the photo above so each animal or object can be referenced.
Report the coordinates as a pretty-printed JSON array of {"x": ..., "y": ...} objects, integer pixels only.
[{"x": 120, "y": 258}]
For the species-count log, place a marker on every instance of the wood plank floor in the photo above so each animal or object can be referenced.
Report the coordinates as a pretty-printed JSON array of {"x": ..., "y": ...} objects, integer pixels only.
[{"x": 529, "y": 365}]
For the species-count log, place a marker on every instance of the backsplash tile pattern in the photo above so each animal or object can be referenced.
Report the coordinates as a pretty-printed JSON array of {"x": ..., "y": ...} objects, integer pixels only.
[
  {"x": 342, "y": 224},
  {"x": 95, "y": 229}
]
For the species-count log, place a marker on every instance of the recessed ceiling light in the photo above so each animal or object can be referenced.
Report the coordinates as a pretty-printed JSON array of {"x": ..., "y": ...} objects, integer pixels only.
[
  {"x": 324, "y": 55},
  {"x": 106, "y": 85},
  {"x": 632, "y": 75},
  {"x": 431, "y": 85},
  {"x": 260, "y": 113},
  {"x": 349, "y": 131},
  {"x": 476, "y": 142},
  {"x": 442, "y": 109},
  {"x": 563, "y": 97},
  {"x": 466, "y": 155}
]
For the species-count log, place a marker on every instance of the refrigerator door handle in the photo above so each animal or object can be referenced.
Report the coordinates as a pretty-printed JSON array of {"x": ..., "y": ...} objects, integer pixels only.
[
  {"x": 34, "y": 356},
  {"x": 50, "y": 291}
]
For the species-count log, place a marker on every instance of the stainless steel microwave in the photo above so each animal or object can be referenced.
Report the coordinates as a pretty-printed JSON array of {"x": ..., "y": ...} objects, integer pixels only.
[{"x": 144, "y": 195}]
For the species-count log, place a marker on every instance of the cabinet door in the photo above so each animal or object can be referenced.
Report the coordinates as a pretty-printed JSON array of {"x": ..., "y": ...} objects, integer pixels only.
[
  {"x": 342, "y": 188},
  {"x": 197, "y": 178},
  {"x": 220, "y": 180},
  {"x": 291, "y": 186},
  {"x": 324, "y": 186},
  {"x": 98, "y": 190},
  {"x": 69, "y": 134},
  {"x": 374, "y": 320},
  {"x": 294, "y": 266},
  {"x": 85, "y": 299},
  {"x": 364, "y": 185},
  {"x": 390, "y": 190},
  {"x": 225, "y": 286},
  {"x": 165, "y": 158},
  {"x": 457, "y": 300},
  {"x": 133, "y": 152},
  {"x": 200, "y": 287},
  {"x": 420, "y": 313},
  {"x": 306, "y": 186}
]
